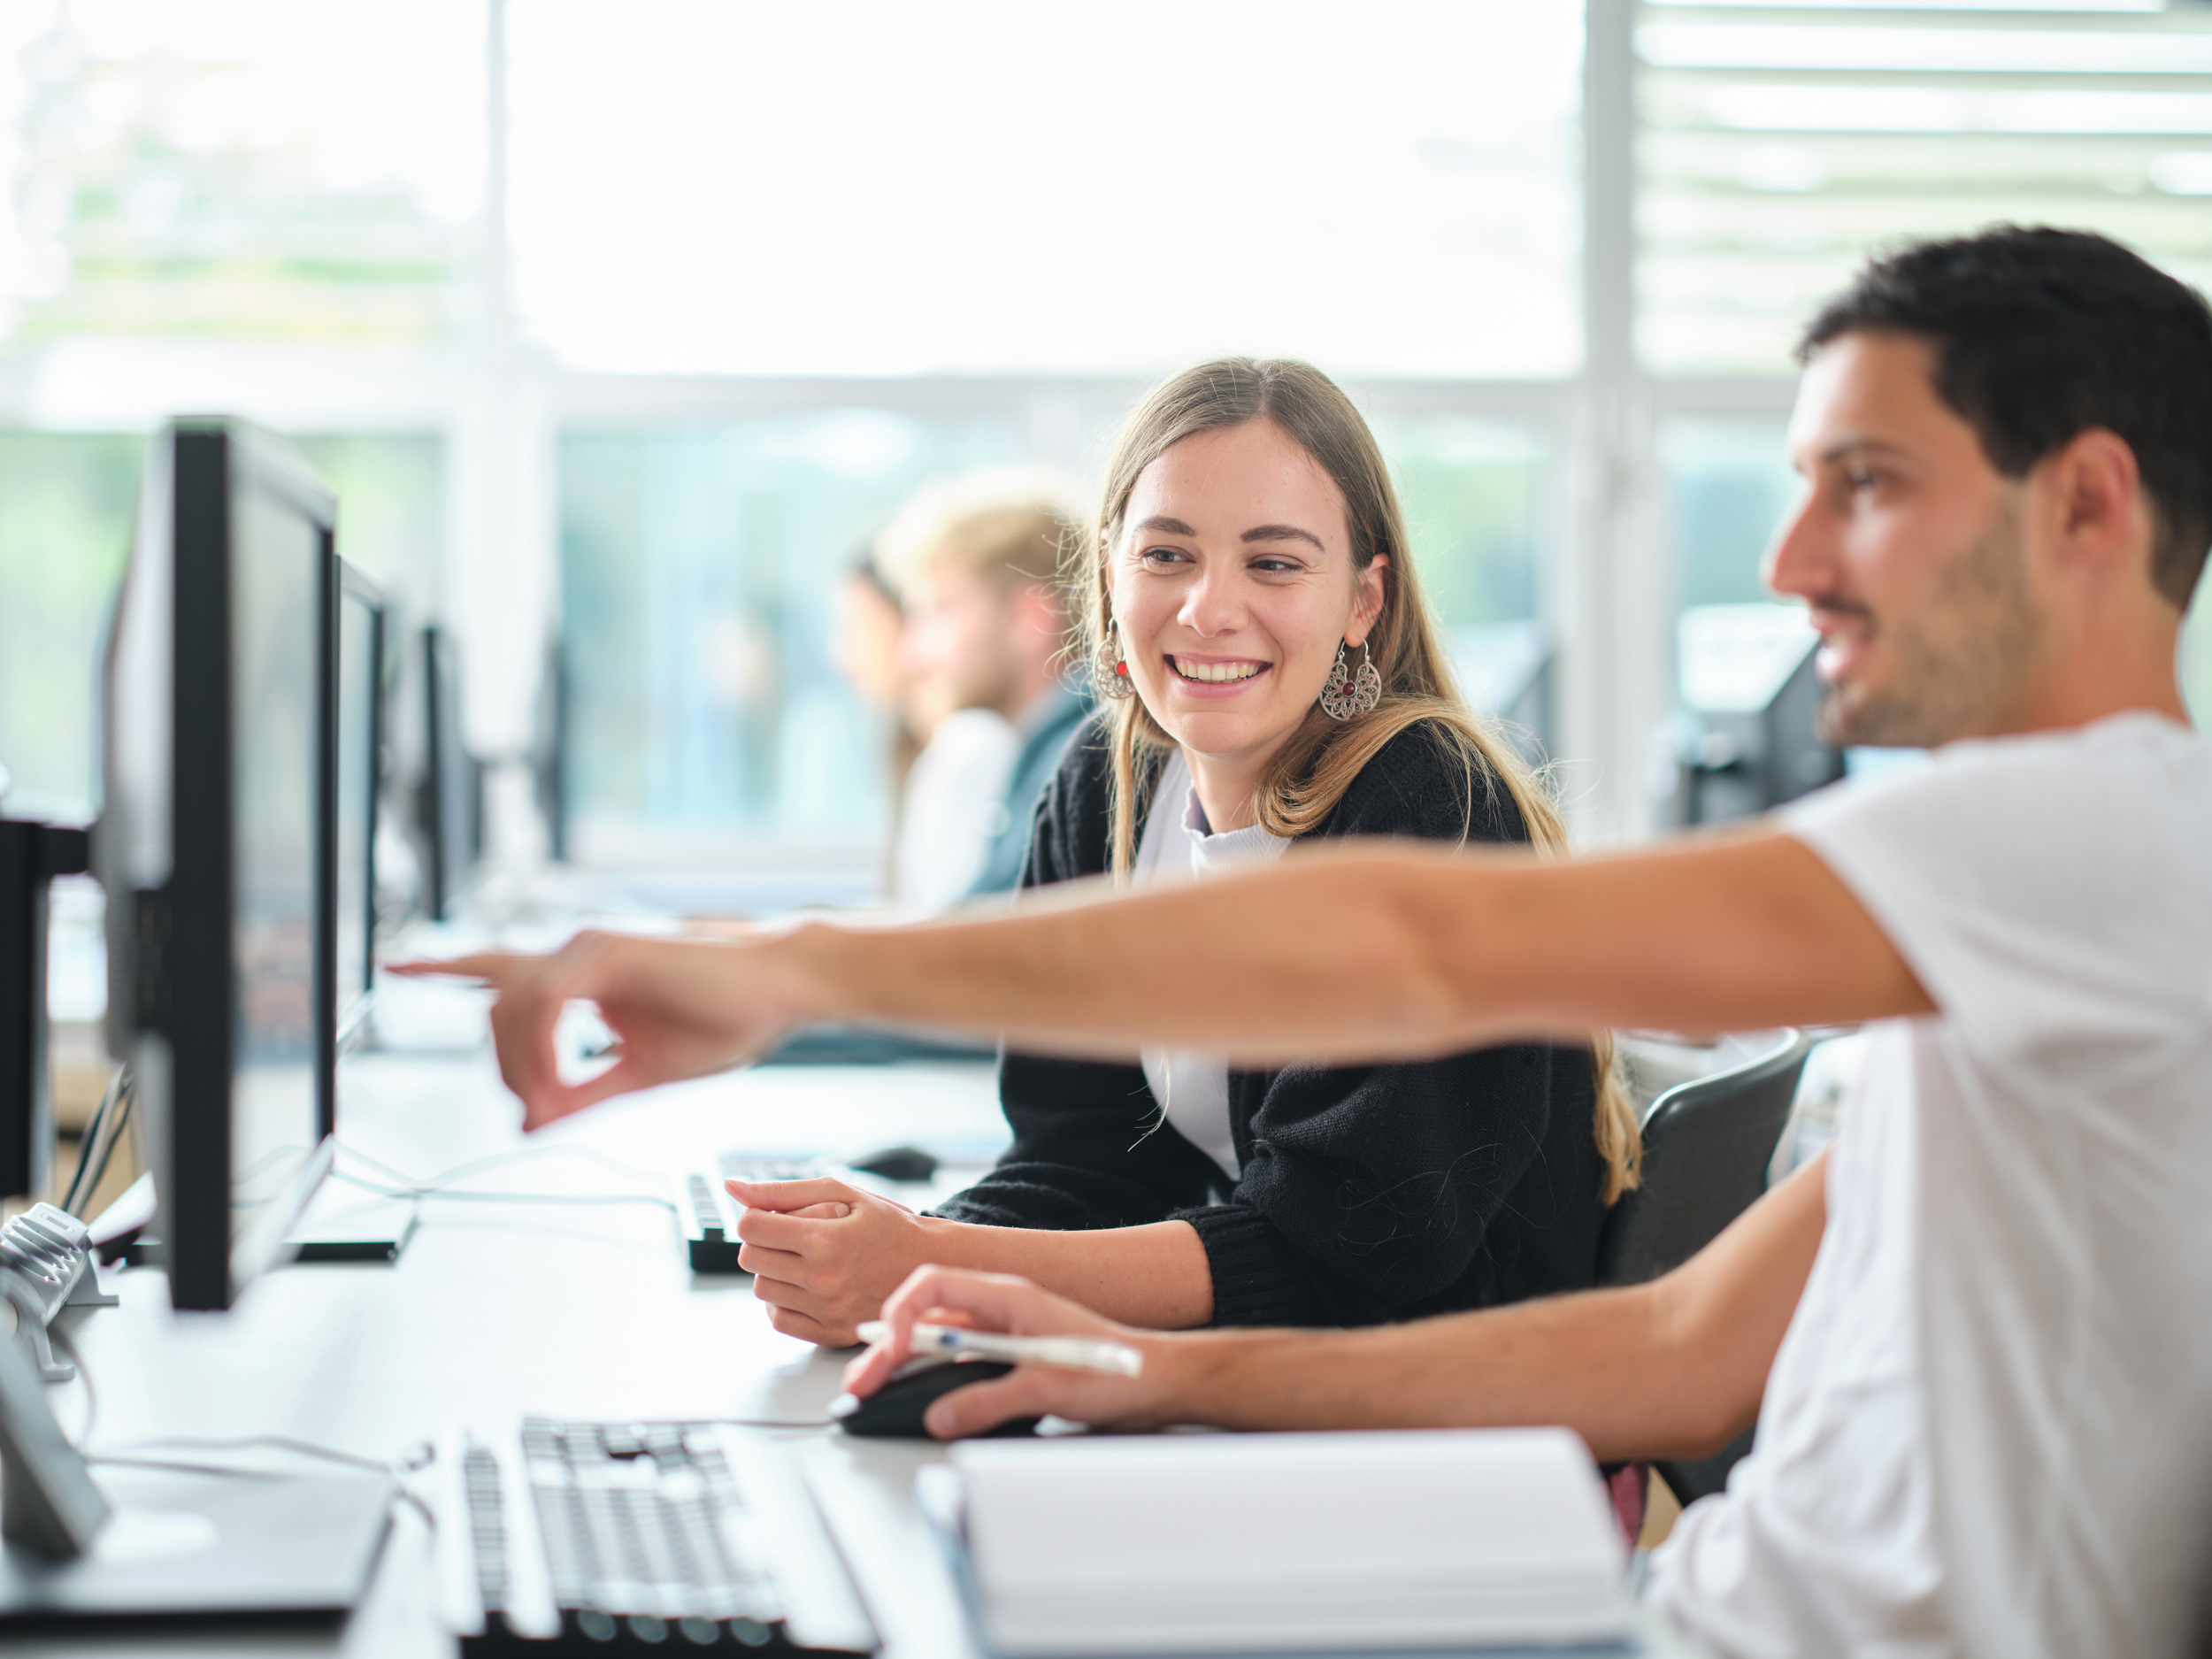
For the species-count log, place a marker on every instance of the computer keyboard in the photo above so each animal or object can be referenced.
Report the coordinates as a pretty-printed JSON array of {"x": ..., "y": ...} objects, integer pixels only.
[
  {"x": 709, "y": 1214},
  {"x": 642, "y": 1534}
]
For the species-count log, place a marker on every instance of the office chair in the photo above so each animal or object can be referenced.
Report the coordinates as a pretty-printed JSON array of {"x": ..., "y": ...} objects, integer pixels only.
[{"x": 1707, "y": 1146}]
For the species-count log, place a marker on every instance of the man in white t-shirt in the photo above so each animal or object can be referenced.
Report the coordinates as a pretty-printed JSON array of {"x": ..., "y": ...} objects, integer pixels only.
[{"x": 1977, "y": 1334}]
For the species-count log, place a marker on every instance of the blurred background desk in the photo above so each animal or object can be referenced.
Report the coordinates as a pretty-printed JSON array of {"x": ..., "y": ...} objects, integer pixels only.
[{"x": 497, "y": 1309}]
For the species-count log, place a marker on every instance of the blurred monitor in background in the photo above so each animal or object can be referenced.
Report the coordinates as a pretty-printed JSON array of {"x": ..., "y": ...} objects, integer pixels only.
[
  {"x": 1746, "y": 738},
  {"x": 449, "y": 796},
  {"x": 981, "y": 659},
  {"x": 1505, "y": 670},
  {"x": 548, "y": 748}
]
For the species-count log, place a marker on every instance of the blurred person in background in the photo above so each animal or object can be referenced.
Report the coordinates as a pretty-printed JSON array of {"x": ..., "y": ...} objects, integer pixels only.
[
  {"x": 866, "y": 623},
  {"x": 976, "y": 568}
]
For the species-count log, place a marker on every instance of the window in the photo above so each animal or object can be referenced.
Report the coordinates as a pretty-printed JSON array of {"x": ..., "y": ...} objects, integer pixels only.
[
  {"x": 699, "y": 565},
  {"x": 391, "y": 490},
  {"x": 2196, "y": 658},
  {"x": 240, "y": 169},
  {"x": 1779, "y": 144},
  {"x": 698, "y": 568},
  {"x": 68, "y": 507},
  {"x": 1728, "y": 484},
  {"x": 66, "y": 521},
  {"x": 1000, "y": 186},
  {"x": 1482, "y": 502},
  {"x": 1478, "y": 497}
]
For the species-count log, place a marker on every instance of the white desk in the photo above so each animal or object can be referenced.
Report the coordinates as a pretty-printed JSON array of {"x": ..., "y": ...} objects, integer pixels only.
[{"x": 497, "y": 1309}]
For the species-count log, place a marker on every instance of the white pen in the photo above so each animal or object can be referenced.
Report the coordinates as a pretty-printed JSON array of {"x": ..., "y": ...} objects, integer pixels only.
[{"x": 1068, "y": 1353}]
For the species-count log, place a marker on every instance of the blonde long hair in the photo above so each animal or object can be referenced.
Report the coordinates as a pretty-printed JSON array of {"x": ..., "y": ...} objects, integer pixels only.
[{"x": 1308, "y": 775}]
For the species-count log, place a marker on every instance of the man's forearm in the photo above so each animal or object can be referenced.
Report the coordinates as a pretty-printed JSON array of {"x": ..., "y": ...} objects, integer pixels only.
[
  {"x": 1594, "y": 1362},
  {"x": 1363, "y": 953},
  {"x": 1672, "y": 1368},
  {"x": 1318, "y": 958}
]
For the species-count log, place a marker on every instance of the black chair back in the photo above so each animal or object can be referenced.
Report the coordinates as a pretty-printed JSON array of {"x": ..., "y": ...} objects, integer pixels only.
[{"x": 1706, "y": 1147}]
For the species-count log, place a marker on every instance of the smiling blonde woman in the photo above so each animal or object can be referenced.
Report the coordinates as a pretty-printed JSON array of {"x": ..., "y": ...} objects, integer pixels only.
[{"x": 1271, "y": 678}]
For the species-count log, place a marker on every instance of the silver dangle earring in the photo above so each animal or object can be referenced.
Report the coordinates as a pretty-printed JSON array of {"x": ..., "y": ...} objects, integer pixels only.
[
  {"x": 1109, "y": 670},
  {"x": 1345, "y": 694}
]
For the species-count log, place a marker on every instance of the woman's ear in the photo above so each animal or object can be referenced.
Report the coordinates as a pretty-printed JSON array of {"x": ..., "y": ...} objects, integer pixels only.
[{"x": 1367, "y": 600}]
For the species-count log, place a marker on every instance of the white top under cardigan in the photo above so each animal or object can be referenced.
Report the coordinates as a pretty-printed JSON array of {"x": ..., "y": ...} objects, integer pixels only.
[{"x": 1192, "y": 1088}]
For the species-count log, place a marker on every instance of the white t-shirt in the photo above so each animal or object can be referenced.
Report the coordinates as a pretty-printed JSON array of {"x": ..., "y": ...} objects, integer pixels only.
[
  {"x": 1192, "y": 1088},
  {"x": 954, "y": 805},
  {"x": 1989, "y": 1428}
]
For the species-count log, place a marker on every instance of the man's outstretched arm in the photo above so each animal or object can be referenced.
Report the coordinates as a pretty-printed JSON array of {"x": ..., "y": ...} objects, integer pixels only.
[
  {"x": 1388, "y": 952},
  {"x": 1673, "y": 1368},
  {"x": 1360, "y": 953}
]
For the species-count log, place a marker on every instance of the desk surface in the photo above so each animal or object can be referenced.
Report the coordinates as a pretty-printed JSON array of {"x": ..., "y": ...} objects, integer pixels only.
[{"x": 495, "y": 1310}]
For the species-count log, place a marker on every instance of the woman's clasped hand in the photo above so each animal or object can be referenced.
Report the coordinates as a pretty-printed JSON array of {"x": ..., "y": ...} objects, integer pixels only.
[{"x": 824, "y": 1255}]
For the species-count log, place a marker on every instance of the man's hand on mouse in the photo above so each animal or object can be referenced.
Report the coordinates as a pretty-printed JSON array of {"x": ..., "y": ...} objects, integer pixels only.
[
  {"x": 1001, "y": 1301},
  {"x": 824, "y": 1255}
]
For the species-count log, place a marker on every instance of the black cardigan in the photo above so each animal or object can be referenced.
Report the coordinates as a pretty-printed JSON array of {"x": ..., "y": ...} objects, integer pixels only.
[{"x": 1369, "y": 1193}]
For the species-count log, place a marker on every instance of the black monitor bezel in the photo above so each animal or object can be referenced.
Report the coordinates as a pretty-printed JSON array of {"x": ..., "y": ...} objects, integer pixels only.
[
  {"x": 210, "y": 465},
  {"x": 350, "y": 1026},
  {"x": 448, "y": 812}
]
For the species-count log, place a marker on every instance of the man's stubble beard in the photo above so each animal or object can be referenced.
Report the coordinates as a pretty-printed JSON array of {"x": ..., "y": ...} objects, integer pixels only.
[{"x": 1944, "y": 689}]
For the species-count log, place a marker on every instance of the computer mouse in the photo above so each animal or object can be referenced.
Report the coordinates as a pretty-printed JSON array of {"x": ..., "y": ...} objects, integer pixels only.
[
  {"x": 895, "y": 1409},
  {"x": 895, "y": 1163}
]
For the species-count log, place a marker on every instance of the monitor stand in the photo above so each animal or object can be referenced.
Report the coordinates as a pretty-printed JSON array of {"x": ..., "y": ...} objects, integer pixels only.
[
  {"x": 177, "y": 1546},
  {"x": 163, "y": 1544},
  {"x": 344, "y": 1225}
]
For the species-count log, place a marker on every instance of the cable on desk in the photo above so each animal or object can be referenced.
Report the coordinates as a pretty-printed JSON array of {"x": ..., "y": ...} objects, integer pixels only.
[
  {"x": 396, "y": 1471},
  {"x": 420, "y": 1193},
  {"x": 520, "y": 1154},
  {"x": 95, "y": 1153},
  {"x": 281, "y": 1442},
  {"x": 59, "y": 1338}
]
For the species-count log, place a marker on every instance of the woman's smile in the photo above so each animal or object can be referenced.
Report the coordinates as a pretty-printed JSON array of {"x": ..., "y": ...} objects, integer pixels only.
[{"x": 1214, "y": 673}]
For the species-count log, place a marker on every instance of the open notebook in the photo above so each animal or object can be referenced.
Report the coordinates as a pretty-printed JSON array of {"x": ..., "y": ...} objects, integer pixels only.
[{"x": 1269, "y": 1543}]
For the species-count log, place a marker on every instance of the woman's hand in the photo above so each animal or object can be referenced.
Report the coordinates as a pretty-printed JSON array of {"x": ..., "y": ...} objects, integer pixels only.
[
  {"x": 999, "y": 1301},
  {"x": 678, "y": 1008},
  {"x": 824, "y": 1255}
]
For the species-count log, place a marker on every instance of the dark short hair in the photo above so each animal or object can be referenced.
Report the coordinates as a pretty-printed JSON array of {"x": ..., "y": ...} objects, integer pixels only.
[{"x": 2040, "y": 335}]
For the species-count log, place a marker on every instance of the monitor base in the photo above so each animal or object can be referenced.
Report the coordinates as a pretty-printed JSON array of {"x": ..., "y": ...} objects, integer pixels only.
[{"x": 182, "y": 1546}]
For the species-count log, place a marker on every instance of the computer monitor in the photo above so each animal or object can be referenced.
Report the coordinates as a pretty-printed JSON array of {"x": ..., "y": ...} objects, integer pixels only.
[
  {"x": 1747, "y": 737},
  {"x": 1504, "y": 669},
  {"x": 30, "y": 856},
  {"x": 215, "y": 845},
  {"x": 449, "y": 794},
  {"x": 548, "y": 751},
  {"x": 357, "y": 750}
]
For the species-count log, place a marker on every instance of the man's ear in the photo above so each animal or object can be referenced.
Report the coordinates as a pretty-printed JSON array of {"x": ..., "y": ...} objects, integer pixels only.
[{"x": 2098, "y": 512}]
